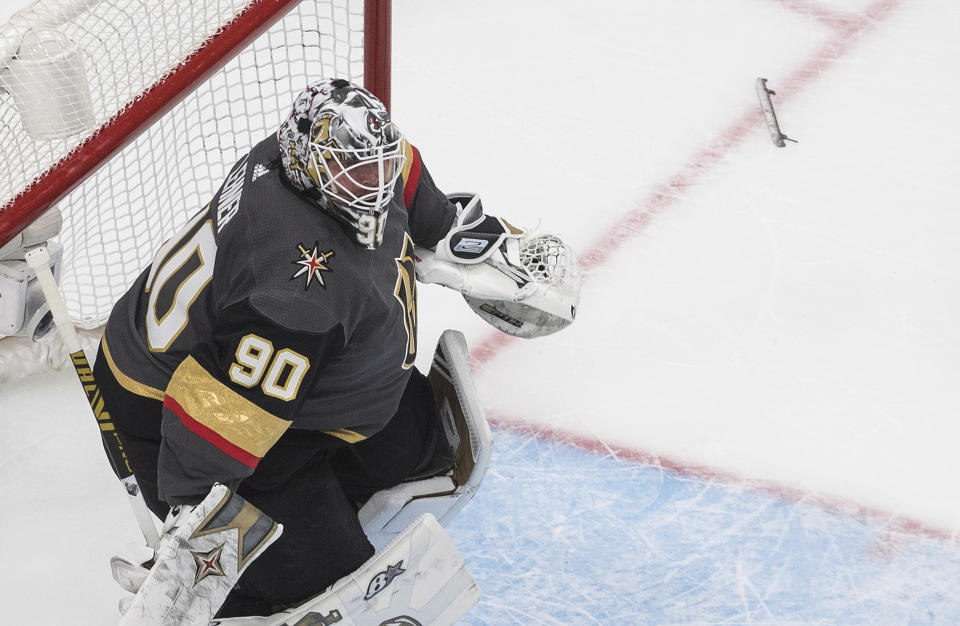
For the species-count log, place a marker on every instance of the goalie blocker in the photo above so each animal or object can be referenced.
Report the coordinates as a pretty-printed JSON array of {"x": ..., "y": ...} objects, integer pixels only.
[{"x": 199, "y": 560}]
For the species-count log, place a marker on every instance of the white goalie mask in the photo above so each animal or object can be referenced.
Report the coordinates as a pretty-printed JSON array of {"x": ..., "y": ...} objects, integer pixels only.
[{"x": 339, "y": 147}]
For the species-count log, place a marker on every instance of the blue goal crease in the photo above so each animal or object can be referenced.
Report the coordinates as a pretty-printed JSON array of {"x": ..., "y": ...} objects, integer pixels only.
[{"x": 559, "y": 535}]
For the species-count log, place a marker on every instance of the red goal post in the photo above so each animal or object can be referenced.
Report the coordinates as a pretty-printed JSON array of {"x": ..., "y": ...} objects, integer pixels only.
[{"x": 168, "y": 96}]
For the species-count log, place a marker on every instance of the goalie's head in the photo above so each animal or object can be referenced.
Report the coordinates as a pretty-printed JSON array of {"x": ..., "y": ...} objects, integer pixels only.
[{"x": 340, "y": 148}]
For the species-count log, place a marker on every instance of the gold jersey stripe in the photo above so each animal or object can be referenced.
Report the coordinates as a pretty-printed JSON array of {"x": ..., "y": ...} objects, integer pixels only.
[
  {"x": 408, "y": 162},
  {"x": 214, "y": 405},
  {"x": 347, "y": 435},
  {"x": 125, "y": 381}
]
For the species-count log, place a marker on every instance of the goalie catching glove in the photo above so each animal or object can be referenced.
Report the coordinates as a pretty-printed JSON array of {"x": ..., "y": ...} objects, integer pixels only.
[
  {"x": 202, "y": 553},
  {"x": 525, "y": 284}
]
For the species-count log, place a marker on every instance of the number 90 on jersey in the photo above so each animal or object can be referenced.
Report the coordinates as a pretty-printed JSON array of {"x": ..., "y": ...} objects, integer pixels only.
[{"x": 278, "y": 372}]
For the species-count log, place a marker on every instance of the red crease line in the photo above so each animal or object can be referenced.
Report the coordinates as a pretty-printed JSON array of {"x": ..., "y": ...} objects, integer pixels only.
[{"x": 893, "y": 523}]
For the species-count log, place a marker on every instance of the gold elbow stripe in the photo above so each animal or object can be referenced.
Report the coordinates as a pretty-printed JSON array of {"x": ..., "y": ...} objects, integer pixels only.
[
  {"x": 231, "y": 416},
  {"x": 347, "y": 435},
  {"x": 408, "y": 162},
  {"x": 125, "y": 381}
]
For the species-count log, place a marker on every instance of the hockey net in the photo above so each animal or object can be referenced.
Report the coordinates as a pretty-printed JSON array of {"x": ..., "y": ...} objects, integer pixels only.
[{"x": 125, "y": 115}]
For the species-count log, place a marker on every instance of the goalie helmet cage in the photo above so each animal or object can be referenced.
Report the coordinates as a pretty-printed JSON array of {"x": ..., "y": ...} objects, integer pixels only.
[{"x": 126, "y": 114}]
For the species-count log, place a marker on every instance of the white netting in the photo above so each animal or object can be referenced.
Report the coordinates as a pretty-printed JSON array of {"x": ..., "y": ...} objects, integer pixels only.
[
  {"x": 116, "y": 219},
  {"x": 549, "y": 260}
]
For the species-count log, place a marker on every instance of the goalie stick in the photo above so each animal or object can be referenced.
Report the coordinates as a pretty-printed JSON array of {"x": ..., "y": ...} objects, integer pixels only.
[{"x": 39, "y": 261}]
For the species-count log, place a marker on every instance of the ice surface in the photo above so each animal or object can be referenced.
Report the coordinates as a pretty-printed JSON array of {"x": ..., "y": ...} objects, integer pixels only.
[
  {"x": 785, "y": 319},
  {"x": 561, "y": 536}
]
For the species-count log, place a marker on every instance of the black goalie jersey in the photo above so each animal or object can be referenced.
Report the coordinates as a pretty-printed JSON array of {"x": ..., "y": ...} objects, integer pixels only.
[{"x": 264, "y": 313}]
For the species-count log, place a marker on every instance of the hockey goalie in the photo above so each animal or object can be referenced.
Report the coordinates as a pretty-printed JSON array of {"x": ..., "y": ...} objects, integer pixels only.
[{"x": 260, "y": 373}]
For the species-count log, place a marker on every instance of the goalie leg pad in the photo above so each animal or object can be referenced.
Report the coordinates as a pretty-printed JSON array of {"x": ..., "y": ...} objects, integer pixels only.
[
  {"x": 200, "y": 559},
  {"x": 419, "y": 578},
  {"x": 389, "y": 511}
]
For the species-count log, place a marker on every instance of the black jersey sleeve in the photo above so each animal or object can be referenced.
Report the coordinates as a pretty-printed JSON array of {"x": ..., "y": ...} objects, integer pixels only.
[
  {"x": 233, "y": 397},
  {"x": 430, "y": 213}
]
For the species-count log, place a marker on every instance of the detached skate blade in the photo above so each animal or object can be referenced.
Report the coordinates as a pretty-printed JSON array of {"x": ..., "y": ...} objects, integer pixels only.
[{"x": 773, "y": 126}]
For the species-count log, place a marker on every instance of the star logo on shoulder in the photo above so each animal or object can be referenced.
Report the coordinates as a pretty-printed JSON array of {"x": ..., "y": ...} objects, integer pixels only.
[
  {"x": 208, "y": 564},
  {"x": 312, "y": 263}
]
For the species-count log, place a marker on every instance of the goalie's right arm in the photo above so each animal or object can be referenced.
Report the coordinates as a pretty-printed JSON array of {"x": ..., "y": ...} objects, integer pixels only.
[{"x": 525, "y": 284}]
